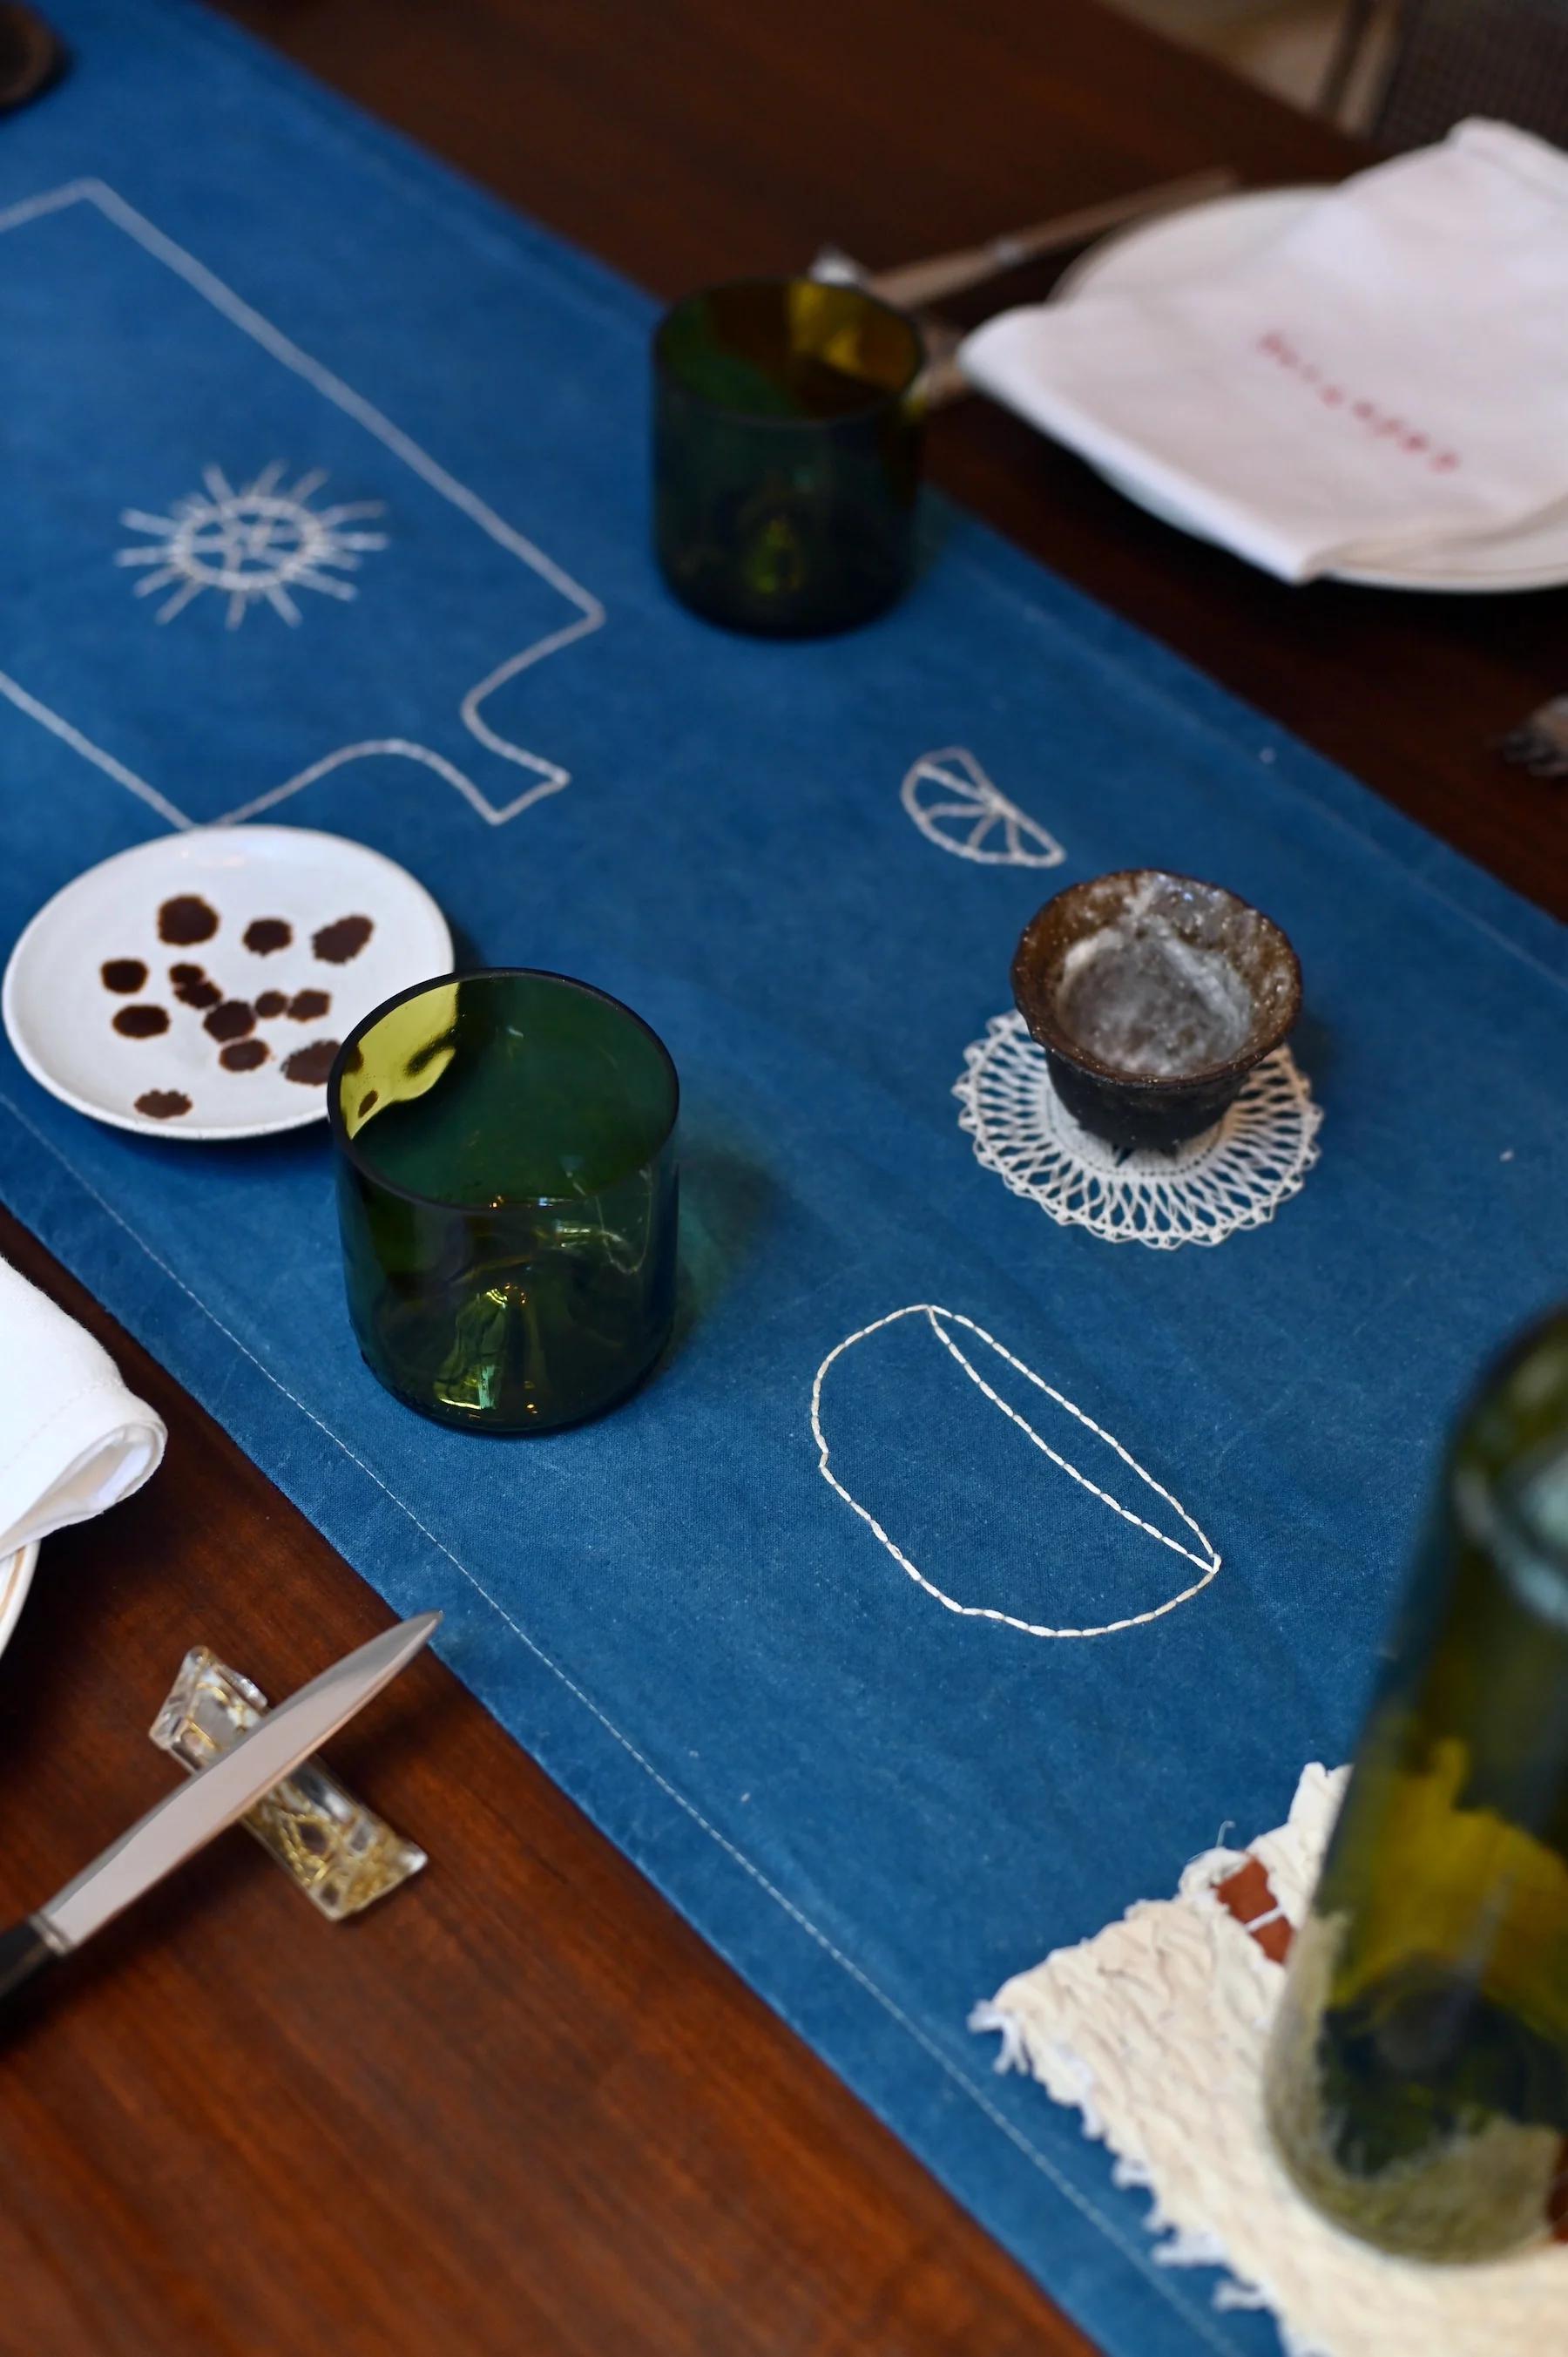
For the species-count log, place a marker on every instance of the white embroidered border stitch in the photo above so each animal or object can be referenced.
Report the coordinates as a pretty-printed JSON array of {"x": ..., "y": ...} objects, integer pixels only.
[
  {"x": 1128, "y": 2249},
  {"x": 1234, "y": 1177},
  {"x": 1154, "y": 2030},
  {"x": 974, "y": 809},
  {"x": 939, "y": 1320},
  {"x": 550, "y": 776}
]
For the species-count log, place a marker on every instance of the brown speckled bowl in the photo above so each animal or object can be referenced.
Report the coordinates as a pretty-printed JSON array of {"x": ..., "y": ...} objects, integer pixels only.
[{"x": 1154, "y": 995}]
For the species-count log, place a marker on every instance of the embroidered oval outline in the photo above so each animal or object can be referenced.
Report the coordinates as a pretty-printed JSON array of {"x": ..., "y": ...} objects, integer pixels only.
[{"x": 941, "y": 1320}]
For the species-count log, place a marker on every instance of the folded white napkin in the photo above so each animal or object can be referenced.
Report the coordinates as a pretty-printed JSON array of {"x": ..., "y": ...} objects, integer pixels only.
[
  {"x": 1388, "y": 376},
  {"x": 73, "y": 1439}
]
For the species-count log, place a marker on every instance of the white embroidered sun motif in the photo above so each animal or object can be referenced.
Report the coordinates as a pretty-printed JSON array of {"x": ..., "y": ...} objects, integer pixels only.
[{"x": 258, "y": 542}]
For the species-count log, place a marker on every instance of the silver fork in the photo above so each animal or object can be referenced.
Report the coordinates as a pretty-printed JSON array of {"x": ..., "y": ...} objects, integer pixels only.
[
  {"x": 912, "y": 285},
  {"x": 1540, "y": 743}
]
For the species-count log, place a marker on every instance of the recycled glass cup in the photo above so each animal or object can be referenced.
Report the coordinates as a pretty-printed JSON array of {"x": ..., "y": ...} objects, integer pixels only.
[
  {"x": 787, "y": 429},
  {"x": 507, "y": 1195}
]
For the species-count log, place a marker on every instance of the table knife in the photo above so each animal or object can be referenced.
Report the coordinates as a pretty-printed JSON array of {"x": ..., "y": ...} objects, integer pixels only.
[{"x": 179, "y": 1826}]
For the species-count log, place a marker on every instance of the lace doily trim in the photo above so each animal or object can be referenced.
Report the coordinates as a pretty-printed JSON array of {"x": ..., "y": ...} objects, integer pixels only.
[
  {"x": 1235, "y": 1176},
  {"x": 1155, "y": 2030}
]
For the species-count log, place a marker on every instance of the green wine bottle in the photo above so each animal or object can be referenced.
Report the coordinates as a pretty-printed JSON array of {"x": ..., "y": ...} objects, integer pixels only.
[{"x": 1417, "y": 2084}]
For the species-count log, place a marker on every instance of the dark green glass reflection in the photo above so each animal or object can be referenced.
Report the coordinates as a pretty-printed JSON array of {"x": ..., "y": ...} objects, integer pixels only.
[
  {"x": 507, "y": 1193},
  {"x": 786, "y": 454},
  {"x": 1418, "y": 2080}
]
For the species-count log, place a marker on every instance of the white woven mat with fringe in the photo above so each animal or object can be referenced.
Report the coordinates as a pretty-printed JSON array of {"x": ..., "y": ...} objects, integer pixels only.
[{"x": 1156, "y": 2029}]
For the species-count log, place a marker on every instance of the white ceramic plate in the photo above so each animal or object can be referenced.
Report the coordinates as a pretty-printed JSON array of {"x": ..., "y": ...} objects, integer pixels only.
[
  {"x": 1160, "y": 253},
  {"x": 16, "y": 1579},
  {"x": 159, "y": 992}
]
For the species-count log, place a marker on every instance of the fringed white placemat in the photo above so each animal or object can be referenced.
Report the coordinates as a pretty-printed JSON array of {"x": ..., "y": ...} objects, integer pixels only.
[{"x": 1156, "y": 2029}]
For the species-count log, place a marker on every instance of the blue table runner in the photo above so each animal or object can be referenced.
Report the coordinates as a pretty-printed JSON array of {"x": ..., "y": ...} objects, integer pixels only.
[{"x": 876, "y": 1807}]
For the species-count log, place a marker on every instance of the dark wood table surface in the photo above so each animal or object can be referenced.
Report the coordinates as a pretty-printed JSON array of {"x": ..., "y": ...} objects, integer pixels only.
[{"x": 520, "y": 2107}]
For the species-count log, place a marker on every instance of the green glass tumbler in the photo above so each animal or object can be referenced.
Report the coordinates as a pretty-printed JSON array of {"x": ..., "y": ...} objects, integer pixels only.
[
  {"x": 506, "y": 1194},
  {"x": 787, "y": 429}
]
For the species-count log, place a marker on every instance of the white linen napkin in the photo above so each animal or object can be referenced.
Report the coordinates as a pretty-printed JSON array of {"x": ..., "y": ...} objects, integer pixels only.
[
  {"x": 1387, "y": 377},
  {"x": 73, "y": 1439}
]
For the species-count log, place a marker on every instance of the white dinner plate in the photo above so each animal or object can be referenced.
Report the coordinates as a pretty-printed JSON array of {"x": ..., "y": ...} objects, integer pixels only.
[
  {"x": 1157, "y": 255},
  {"x": 197, "y": 986},
  {"x": 16, "y": 1579}
]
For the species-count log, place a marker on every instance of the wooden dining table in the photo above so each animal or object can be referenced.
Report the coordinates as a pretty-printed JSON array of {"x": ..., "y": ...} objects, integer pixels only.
[{"x": 520, "y": 2107}]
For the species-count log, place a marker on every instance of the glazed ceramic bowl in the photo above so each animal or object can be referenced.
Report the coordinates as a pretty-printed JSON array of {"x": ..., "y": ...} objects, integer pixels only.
[{"x": 1154, "y": 995}]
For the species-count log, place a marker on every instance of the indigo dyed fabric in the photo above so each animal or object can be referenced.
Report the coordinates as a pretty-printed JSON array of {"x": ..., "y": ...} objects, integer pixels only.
[{"x": 877, "y": 1806}]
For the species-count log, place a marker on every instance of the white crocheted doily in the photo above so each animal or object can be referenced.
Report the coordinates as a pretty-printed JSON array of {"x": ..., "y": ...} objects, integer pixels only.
[
  {"x": 1155, "y": 2030},
  {"x": 1235, "y": 1176}
]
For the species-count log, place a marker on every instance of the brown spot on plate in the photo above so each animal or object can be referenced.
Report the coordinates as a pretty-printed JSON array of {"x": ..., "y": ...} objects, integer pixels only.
[
  {"x": 235, "y": 1019},
  {"x": 334, "y": 944},
  {"x": 122, "y": 974},
  {"x": 163, "y": 1104},
  {"x": 141, "y": 1022},
  {"x": 271, "y": 1003},
  {"x": 34, "y": 56},
  {"x": 266, "y": 935},
  {"x": 308, "y": 1006},
  {"x": 309, "y": 1066},
  {"x": 185, "y": 918},
  {"x": 244, "y": 1055},
  {"x": 192, "y": 988},
  {"x": 371, "y": 1097}
]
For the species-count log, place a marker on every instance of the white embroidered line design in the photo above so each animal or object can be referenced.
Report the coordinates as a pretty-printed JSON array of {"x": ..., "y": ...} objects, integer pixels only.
[
  {"x": 399, "y": 748},
  {"x": 253, "y": 545},
  {"x": 1235, "y": 1176},
  {"x": 590, "y": 612},
  {"x": 1193, "y": 2319},
  {"x": 14, "y": 692},
  {"x": 956, "y": 806},
  {"x": 941, "y": 1321}
]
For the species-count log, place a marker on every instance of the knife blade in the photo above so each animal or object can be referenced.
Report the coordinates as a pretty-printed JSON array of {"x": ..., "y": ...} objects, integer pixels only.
[{"x": 180, "y": 1825}]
